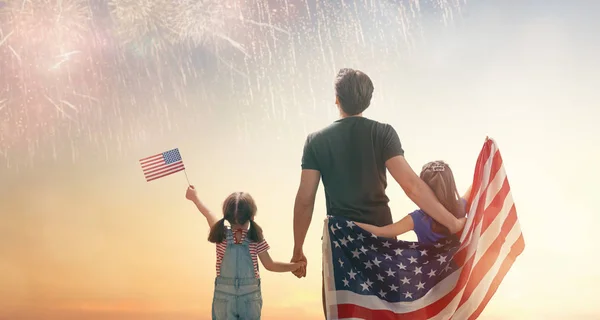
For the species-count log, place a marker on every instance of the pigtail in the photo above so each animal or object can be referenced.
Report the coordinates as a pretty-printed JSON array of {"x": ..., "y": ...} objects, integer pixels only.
[
  {"x": 217, "y": 232},
  {"x": 255, "y": 232}
]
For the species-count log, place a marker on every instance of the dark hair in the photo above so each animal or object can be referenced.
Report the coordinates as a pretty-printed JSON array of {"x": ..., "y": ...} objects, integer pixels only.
[
  {"x": 238, "y": 208},
  {"x": 354, "y": 90},
  {"x": 438, "y": 176}
]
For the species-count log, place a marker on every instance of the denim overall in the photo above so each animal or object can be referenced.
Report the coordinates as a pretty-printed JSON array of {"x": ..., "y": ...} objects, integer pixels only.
[{"x": 237, "y": 290}]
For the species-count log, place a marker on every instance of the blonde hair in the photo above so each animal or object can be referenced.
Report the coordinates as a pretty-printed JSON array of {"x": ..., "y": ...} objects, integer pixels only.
[{"x": 438, "y": 176}]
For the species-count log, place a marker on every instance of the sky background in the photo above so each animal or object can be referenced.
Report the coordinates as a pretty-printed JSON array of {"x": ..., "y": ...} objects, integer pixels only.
[{"x": 83, "y": 236}]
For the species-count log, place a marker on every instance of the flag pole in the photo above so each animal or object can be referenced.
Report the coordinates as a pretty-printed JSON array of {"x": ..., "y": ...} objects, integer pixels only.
[
  {"x": 184, "y": 171},
  {"x": 186, "y": 177}
]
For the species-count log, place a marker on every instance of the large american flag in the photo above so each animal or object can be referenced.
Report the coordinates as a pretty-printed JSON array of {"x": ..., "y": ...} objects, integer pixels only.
[
  {"x": 162, "y": 164},
  {"x": 367, "y": 277}
]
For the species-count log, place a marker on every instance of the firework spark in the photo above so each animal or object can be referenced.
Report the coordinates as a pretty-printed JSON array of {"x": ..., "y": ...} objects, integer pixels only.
[
  {"x": 37, "y": 22},
  {"x": 137, "y": 21},
  {"x": 37, "y": 59},
  {"x": 163, "y": 23},
  {"x": 206, "y": 22}
]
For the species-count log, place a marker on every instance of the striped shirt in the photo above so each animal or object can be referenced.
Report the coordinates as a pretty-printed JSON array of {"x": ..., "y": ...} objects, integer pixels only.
[{"x": 256, "y": 248}]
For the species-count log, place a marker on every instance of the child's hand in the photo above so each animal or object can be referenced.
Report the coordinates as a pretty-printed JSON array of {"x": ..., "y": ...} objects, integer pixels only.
[
  {"x": 299, "y": 265},
  {"x": 191, "y": 194}
]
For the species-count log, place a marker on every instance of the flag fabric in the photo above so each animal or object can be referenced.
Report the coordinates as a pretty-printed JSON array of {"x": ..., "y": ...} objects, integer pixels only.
[
  {"x": 369, "y": 277},
  {"x": 162, "y": 164}
]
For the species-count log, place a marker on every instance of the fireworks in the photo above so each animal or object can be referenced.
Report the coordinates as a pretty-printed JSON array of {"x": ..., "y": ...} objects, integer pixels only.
[
  {"x": 36, "y": 22},
  {"x": 67, "y": 69},
  {"x": 40, "y": 42},
  {"x": 206, "y": 23},
  {"x": 40, "y": 38},
  {"x": 166, "y": 22},
  {"x": 140, "y": 22}
]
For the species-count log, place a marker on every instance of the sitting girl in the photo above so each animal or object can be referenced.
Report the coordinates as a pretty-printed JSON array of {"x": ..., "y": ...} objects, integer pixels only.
[
  {"x": 438, "y": 176},
  {"x": 237, "y": 292}
]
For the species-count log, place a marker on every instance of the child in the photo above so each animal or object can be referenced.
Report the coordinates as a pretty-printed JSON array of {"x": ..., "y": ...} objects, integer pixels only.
[
  {"x": 237, "y": 286},
  {"x": 438, "y": 176}
]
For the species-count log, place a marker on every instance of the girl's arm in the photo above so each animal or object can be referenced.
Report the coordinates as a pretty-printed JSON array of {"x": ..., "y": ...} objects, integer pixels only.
[
  {"x": 391, "y": 230},
  {"x": 211, "y": 218},
  {"x": 275, "y": 266},
  {"x": 192, "y": 195}
]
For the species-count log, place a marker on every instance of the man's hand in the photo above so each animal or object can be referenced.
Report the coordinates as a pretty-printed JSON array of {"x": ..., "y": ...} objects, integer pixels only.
[
  {"x": 298, "y": 256},
  {"x": 420, "y": 193},
  {"x": 459, "y": 226}
]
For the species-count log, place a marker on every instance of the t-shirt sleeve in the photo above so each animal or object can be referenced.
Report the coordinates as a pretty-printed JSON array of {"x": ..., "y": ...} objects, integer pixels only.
[
  {"x": 417, "y": 217},
  {"x": 309, "y": 158},
  {"x": 262, "y": 246},
  {"x": 391, "y": 144},
  {"x": 419, "y": 223}
]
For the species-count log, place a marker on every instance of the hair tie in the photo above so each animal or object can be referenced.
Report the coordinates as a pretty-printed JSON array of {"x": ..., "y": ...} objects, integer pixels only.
[{"x": 438, "y": 167}]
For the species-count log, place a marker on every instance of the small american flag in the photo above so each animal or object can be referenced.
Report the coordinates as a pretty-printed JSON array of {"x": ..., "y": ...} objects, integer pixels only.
[
  {"x": 367, "y": 277},
  {"x": 162, "y": 164}
]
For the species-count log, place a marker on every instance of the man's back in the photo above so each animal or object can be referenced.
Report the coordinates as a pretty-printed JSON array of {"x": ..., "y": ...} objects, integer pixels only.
[{"x": 350, "y": 154}]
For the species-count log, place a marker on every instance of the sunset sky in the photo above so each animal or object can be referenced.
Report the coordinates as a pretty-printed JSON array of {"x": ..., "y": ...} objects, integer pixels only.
[{"x": 84, "y": 236}]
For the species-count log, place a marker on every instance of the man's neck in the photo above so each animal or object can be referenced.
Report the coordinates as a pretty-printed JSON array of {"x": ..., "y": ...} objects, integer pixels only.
[{"x": 344, "y": 116}]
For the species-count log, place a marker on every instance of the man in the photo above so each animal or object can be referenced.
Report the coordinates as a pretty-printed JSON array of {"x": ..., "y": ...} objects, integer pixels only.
[{"x": 351, "y": 156}]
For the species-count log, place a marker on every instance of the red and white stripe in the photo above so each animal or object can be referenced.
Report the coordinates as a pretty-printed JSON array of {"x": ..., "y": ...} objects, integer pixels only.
[
  {"x": 255, "y": 249},
  {"x": 490, "y": 243},
  {"x": 155, "y": 167}
]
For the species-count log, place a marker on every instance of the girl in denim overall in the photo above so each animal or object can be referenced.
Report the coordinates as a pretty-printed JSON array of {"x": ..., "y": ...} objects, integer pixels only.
[{"x": 237, "y": 285}]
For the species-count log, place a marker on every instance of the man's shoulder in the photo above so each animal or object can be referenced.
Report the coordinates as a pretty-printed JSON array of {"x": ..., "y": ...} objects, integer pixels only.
[
  {"x": 381, "y": 125},
  {"x": 337, "y": 127},
  {"x": 323, "y": 132}
]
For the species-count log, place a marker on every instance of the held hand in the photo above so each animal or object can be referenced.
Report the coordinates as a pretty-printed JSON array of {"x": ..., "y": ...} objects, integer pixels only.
[
  {"x": 298, "y": 256},
  {"x": 459, "y": 226},
  {"x": 191, "y": 194},
  {"x": 299, "y": 266}
]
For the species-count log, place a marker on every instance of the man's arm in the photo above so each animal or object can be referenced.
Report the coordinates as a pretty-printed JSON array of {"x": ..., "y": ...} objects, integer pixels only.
[
  {"x": 303, "y": 208},
  {"x": 467, "y": 194},
  {"x": 420, "y": 193}
]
